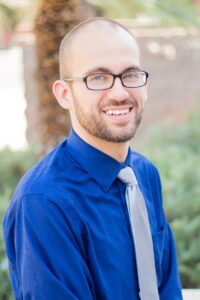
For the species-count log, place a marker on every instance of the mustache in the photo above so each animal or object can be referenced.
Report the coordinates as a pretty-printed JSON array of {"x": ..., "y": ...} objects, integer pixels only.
[{"x": 116, "y": 103}]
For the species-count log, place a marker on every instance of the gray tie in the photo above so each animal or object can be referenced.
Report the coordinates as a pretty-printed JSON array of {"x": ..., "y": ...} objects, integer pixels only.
[{"x": 142, "y": 236}]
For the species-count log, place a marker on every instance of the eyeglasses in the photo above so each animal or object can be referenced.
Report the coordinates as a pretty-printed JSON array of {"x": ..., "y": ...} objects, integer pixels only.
[{"x": 104, "y": 81}]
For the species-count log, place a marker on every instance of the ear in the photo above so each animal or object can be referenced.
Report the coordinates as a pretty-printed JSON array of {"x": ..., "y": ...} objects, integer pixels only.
[{"x": 61, "y": 92}]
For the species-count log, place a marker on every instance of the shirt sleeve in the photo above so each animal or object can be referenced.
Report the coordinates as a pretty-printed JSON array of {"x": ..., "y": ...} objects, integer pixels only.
[
  {"x": 171, "y": 286},
  {"x": 46, "y": 257}
]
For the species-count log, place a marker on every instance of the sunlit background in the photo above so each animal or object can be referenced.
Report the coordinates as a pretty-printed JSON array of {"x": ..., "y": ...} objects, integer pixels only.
[
  {"x": 13, "y": 104},
  {"x": 32, "y": 123}
]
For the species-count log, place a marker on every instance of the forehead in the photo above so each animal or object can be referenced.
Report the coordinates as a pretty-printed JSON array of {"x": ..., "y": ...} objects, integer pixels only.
[{"x": 102, "y": 46}]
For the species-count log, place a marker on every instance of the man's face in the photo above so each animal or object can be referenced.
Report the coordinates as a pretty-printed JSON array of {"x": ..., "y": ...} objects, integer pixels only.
[{"x": 113, "y": 114}]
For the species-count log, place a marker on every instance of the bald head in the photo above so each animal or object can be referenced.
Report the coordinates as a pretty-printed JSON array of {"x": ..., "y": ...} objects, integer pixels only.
[{"x": 93, "y": 26}]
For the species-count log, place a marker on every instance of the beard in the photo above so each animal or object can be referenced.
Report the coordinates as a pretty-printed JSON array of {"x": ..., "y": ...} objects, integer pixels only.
[{"x": 96, "y": 126}]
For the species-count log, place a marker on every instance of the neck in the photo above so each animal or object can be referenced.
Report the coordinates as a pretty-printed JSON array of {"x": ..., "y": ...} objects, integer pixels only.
[{"x": 118, "y": 151}]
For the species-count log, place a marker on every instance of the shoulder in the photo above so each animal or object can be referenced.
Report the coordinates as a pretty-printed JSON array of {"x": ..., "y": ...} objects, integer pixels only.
[
  {"x": 42, "y": 190},
  {"x": 146, "y": 172},
  {"x": 142, "y": 164},
  {"x": 47, "y": 175}
]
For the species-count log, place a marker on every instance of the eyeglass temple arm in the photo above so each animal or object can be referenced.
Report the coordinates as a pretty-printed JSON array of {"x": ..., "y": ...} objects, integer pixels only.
[{"x": 73, "y": 79}]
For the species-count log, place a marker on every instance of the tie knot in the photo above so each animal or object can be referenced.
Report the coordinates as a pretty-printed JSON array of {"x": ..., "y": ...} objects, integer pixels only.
[{"x": 127, "y": 176}]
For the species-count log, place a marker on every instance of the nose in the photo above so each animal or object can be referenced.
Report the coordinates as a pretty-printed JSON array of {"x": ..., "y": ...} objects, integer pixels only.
[{"x": 118, "y": 91}]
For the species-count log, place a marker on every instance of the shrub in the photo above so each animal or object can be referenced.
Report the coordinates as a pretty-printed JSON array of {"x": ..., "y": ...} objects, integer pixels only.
[
  {"x": 13, "y": 166},
  {"x": 5, "y": 291},
  {"x": 175, "y": 150}
]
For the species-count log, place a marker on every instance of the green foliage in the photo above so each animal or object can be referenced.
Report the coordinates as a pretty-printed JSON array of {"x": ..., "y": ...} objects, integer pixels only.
[
  {"x": 119, "y": 8},
  {"x": 5, "y": 291},
  {"x": 175, "y": 150},
  {"x": 8, "y": 16},
  {"x": 167, "y": 12},
  {"x": 182, "y": 12},
  {"x": 13, "y": 166}
]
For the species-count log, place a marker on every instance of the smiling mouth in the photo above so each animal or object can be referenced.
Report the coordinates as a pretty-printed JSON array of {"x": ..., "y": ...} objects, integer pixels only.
[{"x": 117, "y": 112}]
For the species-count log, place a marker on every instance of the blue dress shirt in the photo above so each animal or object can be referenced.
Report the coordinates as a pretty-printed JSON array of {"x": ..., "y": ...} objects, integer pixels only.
[{"x": 67, "y": 230}]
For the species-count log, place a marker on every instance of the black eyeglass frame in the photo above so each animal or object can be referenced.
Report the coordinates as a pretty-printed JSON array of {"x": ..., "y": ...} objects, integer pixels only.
[{"x": 84, "y": 79}]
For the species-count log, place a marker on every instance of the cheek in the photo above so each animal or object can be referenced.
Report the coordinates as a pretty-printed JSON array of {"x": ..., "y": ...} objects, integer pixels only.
[
  {"x": 90, "y": 101},
  {"x": 140, "y": 95},
  {"x": 84, "y": 103},
  {"x": 93, "y": 100},
  {"x": 83, "y": 96}
]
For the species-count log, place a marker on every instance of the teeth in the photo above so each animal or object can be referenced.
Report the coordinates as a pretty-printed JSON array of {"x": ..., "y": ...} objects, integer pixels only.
[{"x": 117, "y": 112}]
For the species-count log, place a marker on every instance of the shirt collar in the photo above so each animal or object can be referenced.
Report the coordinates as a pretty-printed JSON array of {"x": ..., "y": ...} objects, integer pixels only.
[{"x": 103, "y": 168}]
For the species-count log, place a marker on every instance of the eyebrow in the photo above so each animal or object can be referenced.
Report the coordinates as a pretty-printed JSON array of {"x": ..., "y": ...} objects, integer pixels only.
[{"x": 106, "y": 70}]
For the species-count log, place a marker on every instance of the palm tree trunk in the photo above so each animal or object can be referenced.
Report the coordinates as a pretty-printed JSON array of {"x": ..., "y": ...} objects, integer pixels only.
[{"x": 55, "y": 18}]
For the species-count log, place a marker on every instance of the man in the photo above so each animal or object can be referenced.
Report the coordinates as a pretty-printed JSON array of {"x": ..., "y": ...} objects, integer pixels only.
[{"x": 70, "y": 231}]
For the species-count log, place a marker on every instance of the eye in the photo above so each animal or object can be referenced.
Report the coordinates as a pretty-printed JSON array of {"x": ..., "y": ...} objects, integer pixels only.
[
  {"x": 98, "y": 77},
  {"x": 131, "y": 75}
]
